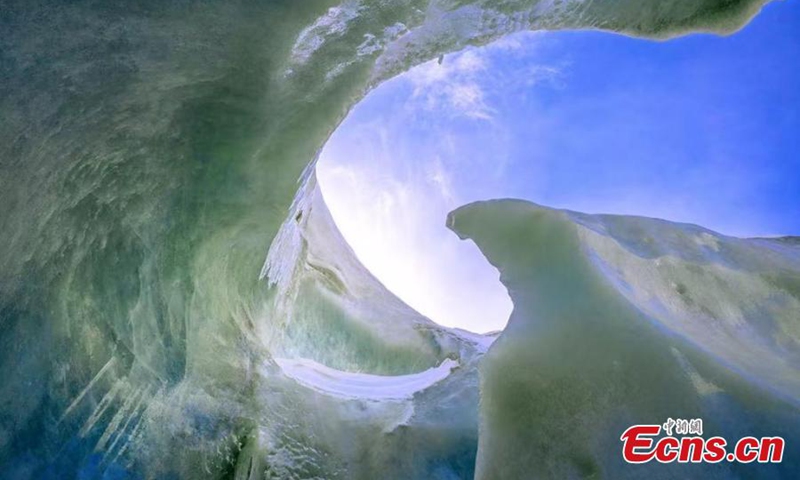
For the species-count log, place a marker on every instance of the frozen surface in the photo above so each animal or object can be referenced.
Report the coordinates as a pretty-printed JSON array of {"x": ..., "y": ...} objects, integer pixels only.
[
  {"x": 362, "y": 385},
  {"x": 622, "y": 320}
]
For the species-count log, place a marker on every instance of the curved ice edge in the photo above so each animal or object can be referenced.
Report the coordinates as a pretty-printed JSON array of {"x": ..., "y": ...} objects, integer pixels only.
[
  {"x": 351, "y": 385},
  {"x": 482, "y": 341}
]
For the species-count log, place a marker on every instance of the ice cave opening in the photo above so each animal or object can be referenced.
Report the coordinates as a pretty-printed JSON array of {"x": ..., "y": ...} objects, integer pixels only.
[{"x": 580, "y": 120}]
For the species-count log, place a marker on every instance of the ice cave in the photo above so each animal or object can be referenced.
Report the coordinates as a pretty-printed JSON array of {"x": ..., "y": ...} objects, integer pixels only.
[{"x": 177, "y": 301}]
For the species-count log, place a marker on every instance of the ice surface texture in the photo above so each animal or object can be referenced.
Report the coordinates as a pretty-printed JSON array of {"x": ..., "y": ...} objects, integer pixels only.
[
  {"x": 624, "y": 320},
  {"x": 149, "y": 153}
]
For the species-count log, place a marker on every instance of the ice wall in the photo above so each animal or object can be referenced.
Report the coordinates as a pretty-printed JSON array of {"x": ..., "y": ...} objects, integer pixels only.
[{"x": 624, "y": 320}]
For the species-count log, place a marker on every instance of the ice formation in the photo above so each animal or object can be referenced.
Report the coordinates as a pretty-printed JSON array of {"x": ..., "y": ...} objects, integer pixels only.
[{"x": 149, "y": 154}]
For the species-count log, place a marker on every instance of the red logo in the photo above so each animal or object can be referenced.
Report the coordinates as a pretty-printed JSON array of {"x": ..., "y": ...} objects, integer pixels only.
[{"x": 642, "y": 444}]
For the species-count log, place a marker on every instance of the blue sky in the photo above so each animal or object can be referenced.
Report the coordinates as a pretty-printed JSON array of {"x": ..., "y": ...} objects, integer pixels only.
[{"x": 701, "y": 129}]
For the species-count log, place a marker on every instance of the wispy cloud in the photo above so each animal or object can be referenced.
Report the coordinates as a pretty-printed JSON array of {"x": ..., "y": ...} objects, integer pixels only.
[
  {"x": 441, "y": 179},
  {"x": 454, "y": 86},
  {"x": 462, "y": 83}
]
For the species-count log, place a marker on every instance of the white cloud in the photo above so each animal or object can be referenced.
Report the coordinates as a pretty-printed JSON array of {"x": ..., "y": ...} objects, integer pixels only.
[
  {"x": 454, "y": 86},
  {"x": 441, "y": 179},
  {"x": 461, "y": 84}
]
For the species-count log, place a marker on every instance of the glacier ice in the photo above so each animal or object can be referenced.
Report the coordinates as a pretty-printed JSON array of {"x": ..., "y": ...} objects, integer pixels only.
[
  {"x": 343, "y": 384},
  {"x": 149, "y": 153},
  {"x": 623, "y": 320}
]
